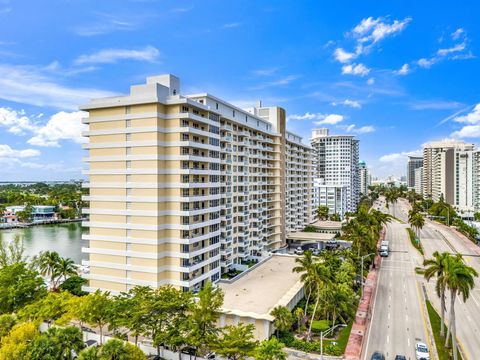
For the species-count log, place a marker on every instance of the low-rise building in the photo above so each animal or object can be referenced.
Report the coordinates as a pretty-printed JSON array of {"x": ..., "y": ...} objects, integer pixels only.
[{"x": 251, "y": 296}]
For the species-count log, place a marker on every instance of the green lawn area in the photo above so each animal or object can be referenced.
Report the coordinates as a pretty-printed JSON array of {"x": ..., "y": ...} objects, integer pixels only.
[
  {"x": 342, "y": 338},
  {"x": 414, "y": 242},
  {"x": 320, "y": 325},
  {"x": 443, "y": 353}
]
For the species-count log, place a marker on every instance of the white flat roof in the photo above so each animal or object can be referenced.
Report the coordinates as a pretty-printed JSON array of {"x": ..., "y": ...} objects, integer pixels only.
[
  {"x": 260, "y": 289},
  {"x": 310, "y": 236}
]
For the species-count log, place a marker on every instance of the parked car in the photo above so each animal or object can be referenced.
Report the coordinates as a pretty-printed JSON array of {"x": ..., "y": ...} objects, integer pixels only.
[
  {"x": 211, "y": 356},
  {"x": 384, "y": 253},
  {"x": 421, "y": 351},
  {"x": 298, "y": 251},
  {"x": 91, "y": 343},
  {"x": 377, "y": 355},
  {"x": 400, "y": 357},
  {"x": 189, "y": 351},
  {"x": 331, "y": 244}
]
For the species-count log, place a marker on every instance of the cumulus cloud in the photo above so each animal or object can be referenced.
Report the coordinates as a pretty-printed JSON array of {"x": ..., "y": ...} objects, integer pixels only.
[
  {"x": 355, "y": 69},
  {"x": 401, "y": 156},
  {"x": 6, "y": 152},
  {"x": 404, "y": 70},
  {"x": 468, "y": 131},
  {"x": 321, "y": 119},
  {"x": 472, "y": 117},
  {"x": 60, "y": 126},
  {"x": 367, "y": 33},
  {"x": 108, "y": 56},
  {"x": 457, "y": 33},
  {"x": 350, "y": 103}
]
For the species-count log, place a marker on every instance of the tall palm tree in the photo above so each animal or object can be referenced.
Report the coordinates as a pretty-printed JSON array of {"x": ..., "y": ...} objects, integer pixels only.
[
  {"x": 305, "y": 266},
  {"x": 65, "y": 267},
  {"x": 435, "y": 267},
  {"x": 417, "y": 222},
  {"x": 320, "y": 278},
  {"x": 47, "y": 263},
  {"x": 460, "y": 279}
]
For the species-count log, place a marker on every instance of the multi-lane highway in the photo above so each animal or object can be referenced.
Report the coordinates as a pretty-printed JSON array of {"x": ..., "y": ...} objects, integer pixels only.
[
  {"x": 398, "y": 317},
  {"x": 437, "y": 237}
]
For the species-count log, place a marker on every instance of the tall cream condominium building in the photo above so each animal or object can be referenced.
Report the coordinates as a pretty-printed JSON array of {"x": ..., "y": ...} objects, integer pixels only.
[
  {"x": 448, "y": 168},
  {"x": 182, "y": 188}
]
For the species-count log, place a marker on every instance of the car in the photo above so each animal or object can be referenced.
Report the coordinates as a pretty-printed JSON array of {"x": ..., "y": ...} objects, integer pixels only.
[
  {"x": 421, "y": 351},
  {"x": 400, "y": 357},
  {"x": 189, "y": 351},
  {"x": 298, "y": 251},
  {"x": 377, "y": 355},
  {"x": 211, "y": 356},
  {"x": 384, "y": 253},
  {"x": 316, "y": 251},
  {"x": 91, "y": 343}
]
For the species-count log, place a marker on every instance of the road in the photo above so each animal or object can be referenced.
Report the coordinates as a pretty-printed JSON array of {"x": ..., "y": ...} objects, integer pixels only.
[
  {"x": 437, "y": 237},
  {"x": 397, "y": 317}
]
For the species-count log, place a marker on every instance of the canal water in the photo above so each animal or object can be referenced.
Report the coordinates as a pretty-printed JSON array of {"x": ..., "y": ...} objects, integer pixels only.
[{"x": 66, "y": 239}]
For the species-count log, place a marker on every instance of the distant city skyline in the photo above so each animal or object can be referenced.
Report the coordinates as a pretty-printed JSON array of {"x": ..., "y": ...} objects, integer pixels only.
[{"x": 395, "y": 75}]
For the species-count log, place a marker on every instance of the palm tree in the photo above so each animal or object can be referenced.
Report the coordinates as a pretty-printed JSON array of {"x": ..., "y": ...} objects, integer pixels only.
[
  {"x": 417, "y": 222},
  {"x": 320, "y": 277},
  {"x": 47, "y": 263},
  {"x": 283, "y": 318},
  {"x": 435, "y": 267},
  {"x": 460, "y": 279},
  {"x": 305, "y": 266},
  {"x": 65, "y": 267}
]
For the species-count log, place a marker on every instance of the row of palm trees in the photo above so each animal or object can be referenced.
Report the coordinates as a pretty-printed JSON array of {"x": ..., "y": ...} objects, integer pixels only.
[
  {"x": 451, "y": 273},
  {"x": 56, "y": 268}
]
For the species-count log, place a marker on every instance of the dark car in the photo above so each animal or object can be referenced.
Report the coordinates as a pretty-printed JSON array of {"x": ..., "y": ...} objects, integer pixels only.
[
  {"x": 377, "y": 355},
  {"x": 189, "y": 351},
  {"x": 400, "y": 357}
]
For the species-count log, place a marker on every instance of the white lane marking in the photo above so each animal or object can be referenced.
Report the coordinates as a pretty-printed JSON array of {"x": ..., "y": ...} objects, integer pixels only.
[
  {"x": 388, "y": 316},
  {"x": 406, "y": 317},
  {"x": 388, "y": 339},
  {"x": 408, "y": 341}
]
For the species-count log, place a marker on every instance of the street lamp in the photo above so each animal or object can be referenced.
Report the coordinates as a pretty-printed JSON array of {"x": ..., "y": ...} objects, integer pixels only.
[
  {"x": 322, "y": 333},
  {"x": 361, "y": 275}
]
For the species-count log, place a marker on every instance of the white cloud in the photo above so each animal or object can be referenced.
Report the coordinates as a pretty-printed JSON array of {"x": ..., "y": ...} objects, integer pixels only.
[
  {"x": 16, "y": 122},
  {"x": 61, "y": 126},
  {"x": 359, "y": 130},
  {"x": 457, "y": 33},
  {"x": 404, "y": 70},
  {"x": 355, "y": 69},
  {"x": 107, "y": 23},
  {"x": 472, "y": 117},
  {"x": 453, "y": 49},
  {"x": 321, "y": 119},
  {"x": 108, "y": 56},
  {"x": 344, "y": 56},
  {"x": 266, "y": 72},
  {"x": 374, "y": 30},
  {"x": 371, "y": 81},
  {"x": 31, "y": 85},
  {"x": 434, "y": 105},
  {"x": 469, "y": 131},
  {"x": 6, "y": 152},
  {"x": 426, "y": 63},
  {"x": 400, "y": 157},
  {"x": 351, "y": 103}
]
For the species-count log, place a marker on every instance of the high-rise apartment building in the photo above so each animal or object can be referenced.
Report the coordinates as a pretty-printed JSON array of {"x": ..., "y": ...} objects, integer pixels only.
[
  {"x": 448, "y": 172},
  {"x": 185, "y": 187},
  {"x": 414, "y": 162},
  {"x": 418, "y": 180},
  {"x": 336, "y": 160},
  {"x": 364, "y": 176}
]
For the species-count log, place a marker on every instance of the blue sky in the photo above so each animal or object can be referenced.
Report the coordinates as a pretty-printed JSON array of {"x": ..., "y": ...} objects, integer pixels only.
[{"x": 397, "y": 73}]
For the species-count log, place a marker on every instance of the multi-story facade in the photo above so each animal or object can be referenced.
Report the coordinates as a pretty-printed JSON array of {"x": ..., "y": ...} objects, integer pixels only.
[
  {"x": 336, "y": 163},
  {"x": 334, "y": 197},
  {"x": 448, "y": 168},
  {"x": 414, "y": 162},
  {"x": 364, "y": 177},
  {"x": 476, "y": 181},
  {"x": 418, "y": 180},
  {"x": 184, "y": 187}
]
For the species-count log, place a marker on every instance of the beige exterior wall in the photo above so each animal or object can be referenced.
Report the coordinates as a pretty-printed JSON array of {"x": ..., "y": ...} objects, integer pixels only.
[{"x": 182, "y": 188}]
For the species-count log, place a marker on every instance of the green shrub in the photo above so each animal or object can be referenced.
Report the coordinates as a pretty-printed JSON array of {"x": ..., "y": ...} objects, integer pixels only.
[{"x": 320, "y": 325}]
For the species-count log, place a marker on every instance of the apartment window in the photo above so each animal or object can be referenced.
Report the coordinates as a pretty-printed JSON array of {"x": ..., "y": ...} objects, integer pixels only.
[
  {"x": 185, "y": 206},
  {"x": 128, "y": 205},
  {"x": 129, "y": 178},
  {"x": 184, "y": 123},
  {"x": 233, "y": 113},
  {"x": 185, "y": 178},
  {"x": 129, "y": 164},
  {"x": 129, "y": 248},
  {"x": 215, "y": 277},
  {"x": 128, "y": 123},
  {"x": 129, "y": 192},
  {"x": 216, "y": 106},
  {"x": 185, "y": 137},
  {"x": 185, "y": 220},
  {"x": 129, "y": 150},
  {"x": 128, "y": 137},
  {"x": 184, "y": 109},
  {"x": 128, "y": 109},
  {"x": 185, "y": 248},
  {"x": 129, "y": 219}
]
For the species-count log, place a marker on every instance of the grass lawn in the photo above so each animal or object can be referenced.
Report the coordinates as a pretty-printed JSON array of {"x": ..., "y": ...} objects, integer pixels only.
[
  {"x": 414, "y": 242},
  {"x": 320, "y": 325},
  {"x": 443, "y": 353},
  {"x": 342, "y": 338}
]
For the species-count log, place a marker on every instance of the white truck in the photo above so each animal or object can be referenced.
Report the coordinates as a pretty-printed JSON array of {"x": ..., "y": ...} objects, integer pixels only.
[{"x": 384, "y": 248}]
